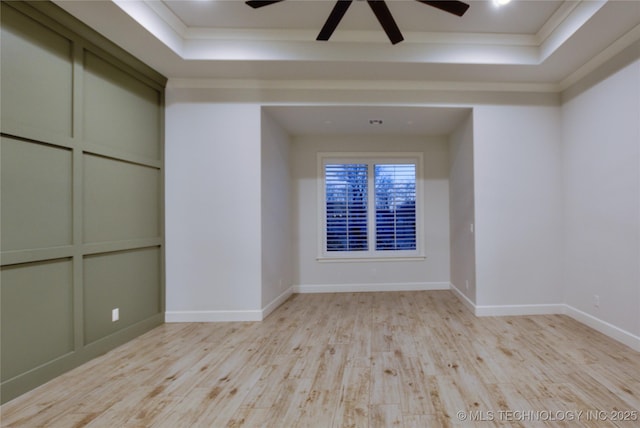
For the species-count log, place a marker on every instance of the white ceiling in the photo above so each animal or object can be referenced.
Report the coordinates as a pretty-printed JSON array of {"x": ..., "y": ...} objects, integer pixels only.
[
  {"x": 542, "y": 42},
  {"x": 540, "y": 46},
  {"x": 411, "y": 16}
]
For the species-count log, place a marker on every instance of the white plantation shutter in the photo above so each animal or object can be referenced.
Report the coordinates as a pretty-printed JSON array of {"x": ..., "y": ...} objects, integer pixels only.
[
  {"x": 395, "y": 202},
  {"x": 368, "y": 206},
  {"x": 346, "y": 197}
]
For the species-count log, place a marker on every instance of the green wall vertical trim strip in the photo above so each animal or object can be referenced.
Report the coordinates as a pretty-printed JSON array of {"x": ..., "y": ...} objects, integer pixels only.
[
  {"x": 78, "y": 307},
  {"x": 115, "y": 258}
]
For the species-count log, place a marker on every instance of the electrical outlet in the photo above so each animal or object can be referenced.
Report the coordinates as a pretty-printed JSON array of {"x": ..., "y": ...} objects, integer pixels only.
[
  {"x": 115, "y": 314},
  {"x": 596, "y": 301}
]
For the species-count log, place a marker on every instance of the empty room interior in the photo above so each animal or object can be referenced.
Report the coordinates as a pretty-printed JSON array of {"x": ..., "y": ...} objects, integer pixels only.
[{"x": 320, "y": 213}]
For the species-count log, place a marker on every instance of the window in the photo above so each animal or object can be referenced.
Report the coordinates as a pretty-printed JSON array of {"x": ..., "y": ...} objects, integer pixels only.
[
  {"x": 369, "y": 206},
  {"x": 346, "y": 207},
  {"x": 395, "y": 199}
]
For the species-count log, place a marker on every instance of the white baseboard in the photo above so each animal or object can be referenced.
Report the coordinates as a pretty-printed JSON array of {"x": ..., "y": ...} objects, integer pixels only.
[
  {"x": 212, "y": 316},
  {"x": 227, "y": 316},
  {"x": 509, "y": 310},
  {"x": 604, "y": 327},
  {"x": 595, "y": 323},
  {"x": 359, "y": 288},
  {"x": 273, "y": 305},
  {"x": 463, "y": 298}
]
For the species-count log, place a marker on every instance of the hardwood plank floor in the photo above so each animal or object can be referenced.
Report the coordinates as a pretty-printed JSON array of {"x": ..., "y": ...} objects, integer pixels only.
[{"x": 405, "y": 359}]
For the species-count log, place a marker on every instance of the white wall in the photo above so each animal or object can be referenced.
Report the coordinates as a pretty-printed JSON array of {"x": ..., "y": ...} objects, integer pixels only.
[
  {"x": 556, "y": 201},
  {"x": 518, "y": 206},
  {"x": 312, "y": 275},
  {"x": 601, "y": 161},
  {"x": 213, "y": 236},
  {"x": 461, "y": 210},
  {"x": 276, "y": 190}
]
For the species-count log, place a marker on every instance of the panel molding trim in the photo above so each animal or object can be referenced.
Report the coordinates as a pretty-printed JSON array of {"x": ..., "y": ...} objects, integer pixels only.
[
  {"x": 82, "y": 183},
  {"x": 33, "y": 378}
]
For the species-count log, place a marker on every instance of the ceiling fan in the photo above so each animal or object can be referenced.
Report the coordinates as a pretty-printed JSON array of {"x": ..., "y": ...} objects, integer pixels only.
[{"x": 379, "y": 8}]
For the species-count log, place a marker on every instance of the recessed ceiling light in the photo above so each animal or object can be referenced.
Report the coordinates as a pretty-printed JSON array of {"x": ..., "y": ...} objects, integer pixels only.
[
  {"x": 375, "y": 121},
  {"x": 501, "y": 2}
]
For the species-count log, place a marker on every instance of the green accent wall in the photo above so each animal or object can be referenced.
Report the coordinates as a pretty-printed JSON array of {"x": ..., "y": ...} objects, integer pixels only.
[{"x": 81, "y": 195}]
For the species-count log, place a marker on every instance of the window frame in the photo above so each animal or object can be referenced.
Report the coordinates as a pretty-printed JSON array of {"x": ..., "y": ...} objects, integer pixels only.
[{"x": 371, "y": 159}]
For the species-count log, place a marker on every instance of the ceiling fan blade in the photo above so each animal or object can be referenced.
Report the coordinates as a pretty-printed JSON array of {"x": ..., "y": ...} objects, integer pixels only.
[
  {"x": 334, "y": 18},
  {"x": 452, "y": 6},
  {"x": 260, "y": 3},
  {"x": 385, "y": 18}
]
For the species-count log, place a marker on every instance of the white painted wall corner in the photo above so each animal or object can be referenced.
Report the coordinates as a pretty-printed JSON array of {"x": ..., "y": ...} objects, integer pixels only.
[{"x": 597, "y": 324}]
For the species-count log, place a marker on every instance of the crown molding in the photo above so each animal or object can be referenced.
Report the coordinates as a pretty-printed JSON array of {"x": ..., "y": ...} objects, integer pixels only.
[
  {"x": 629, "y": 41},
  {"x": 346, "y": 36},
  {"x": 565, "y": 28},
  {"x": 360, "y": 85},
  {"x": 192, "y": 43},
  {"x": 559, "y": 16},
  {"x": 204, "y": 49},
  {"x": 158, "y": 20}
]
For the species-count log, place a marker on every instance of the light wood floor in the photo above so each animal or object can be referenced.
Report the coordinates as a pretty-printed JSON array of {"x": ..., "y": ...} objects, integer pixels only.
[{"x": 406, "y": 359}]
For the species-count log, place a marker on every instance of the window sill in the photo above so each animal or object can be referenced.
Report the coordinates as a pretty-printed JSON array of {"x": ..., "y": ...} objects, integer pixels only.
[{"x": 370, "y": 259}]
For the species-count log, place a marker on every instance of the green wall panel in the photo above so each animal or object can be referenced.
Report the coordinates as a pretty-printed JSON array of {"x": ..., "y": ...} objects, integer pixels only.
[
  {"x": 36, "y": 195},
  {"x": 81, "y": 195},
  {"x": 126, "y": 280},
  {"x": 37, "y": 314},
  {"x": 122, "y": 200},
  {"x": 37, "y": 75},
  {"x": 121, "y": 112}
]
